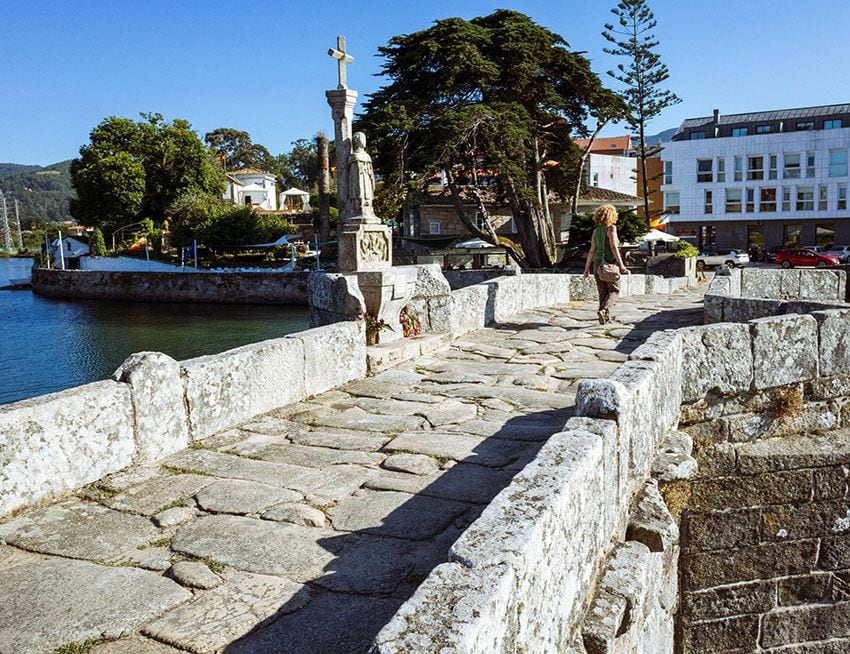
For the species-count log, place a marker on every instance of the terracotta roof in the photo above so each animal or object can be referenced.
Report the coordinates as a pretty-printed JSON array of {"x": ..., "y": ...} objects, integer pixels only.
[{"x": 607, "y": 144}]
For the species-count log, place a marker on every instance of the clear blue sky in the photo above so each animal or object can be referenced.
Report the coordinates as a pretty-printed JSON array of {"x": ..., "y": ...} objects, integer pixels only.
[{"x": 262, "y": 66}]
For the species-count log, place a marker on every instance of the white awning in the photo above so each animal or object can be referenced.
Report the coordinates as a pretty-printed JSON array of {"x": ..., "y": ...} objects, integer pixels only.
[{"x": 658, "y": 235}]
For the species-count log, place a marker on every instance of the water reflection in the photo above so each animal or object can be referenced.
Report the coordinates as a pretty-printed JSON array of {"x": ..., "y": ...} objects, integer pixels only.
[{"x": 48, "y": 345}]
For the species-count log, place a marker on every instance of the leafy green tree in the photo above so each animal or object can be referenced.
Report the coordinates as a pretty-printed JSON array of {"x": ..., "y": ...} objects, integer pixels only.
[
  {"x": 630, "y": 226},
  {"x": 236, "y": 150},
  {"x": 488, "y": 101},
  {"x": 300, "y": 166},
  {"x": 642, "y": 74},
  {"x": 98, "y": 245},
  {"x": 132, "y": 169}
]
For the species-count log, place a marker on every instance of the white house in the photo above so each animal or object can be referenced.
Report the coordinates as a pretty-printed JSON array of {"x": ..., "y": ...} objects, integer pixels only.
[
  {"x": 252, "y": 187},
  {"x": 761, "y": 179},
  {"x": 68, "y": 252}
]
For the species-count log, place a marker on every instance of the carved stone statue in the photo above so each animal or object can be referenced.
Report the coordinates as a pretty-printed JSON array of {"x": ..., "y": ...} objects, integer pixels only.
[{"x": 361, "y": 178}]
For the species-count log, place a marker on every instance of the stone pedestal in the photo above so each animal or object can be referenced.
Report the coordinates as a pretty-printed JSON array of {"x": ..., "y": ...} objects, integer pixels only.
[
  {"x": 364, "y": 247},
  {"x": 385, "y": 293}
]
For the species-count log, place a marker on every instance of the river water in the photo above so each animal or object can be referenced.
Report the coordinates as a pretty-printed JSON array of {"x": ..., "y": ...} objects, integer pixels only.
[{"x": 49, "y": 345}]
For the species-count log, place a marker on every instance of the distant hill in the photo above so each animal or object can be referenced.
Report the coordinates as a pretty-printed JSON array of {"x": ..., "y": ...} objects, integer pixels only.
[
  {"x": 661, "y": 137},
  {"x": 43, "y": 191}
]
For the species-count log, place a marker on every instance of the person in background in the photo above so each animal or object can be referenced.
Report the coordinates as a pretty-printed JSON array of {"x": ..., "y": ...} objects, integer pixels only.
[{"x": 605, "y": 248}]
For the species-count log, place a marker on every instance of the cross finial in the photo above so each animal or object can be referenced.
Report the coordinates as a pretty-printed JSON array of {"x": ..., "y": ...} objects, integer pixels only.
[{"x": 342, "y": 58}]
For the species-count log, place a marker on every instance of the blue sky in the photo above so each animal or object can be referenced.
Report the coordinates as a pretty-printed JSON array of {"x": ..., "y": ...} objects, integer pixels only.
[{"x": 262, "y": 66}]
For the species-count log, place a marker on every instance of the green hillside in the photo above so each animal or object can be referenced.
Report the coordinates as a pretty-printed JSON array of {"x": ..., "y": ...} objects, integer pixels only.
[{"x": 43, "y": 192}]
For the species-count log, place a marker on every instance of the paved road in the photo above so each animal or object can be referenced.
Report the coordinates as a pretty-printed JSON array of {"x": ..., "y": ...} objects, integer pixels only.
[{"x": 305, "y": 529}]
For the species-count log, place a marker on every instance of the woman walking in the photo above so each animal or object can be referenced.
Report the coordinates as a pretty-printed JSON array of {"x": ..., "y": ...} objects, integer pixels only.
[{"x": 604, "y": 249}]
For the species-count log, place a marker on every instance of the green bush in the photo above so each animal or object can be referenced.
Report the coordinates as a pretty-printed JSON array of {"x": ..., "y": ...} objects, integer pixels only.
[{"x": 685, "y": 250}]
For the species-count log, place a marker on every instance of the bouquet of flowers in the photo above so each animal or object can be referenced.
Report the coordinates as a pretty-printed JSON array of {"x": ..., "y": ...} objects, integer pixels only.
[
  {"x": 410, "y": 325},
  {"x": 374, "y": 325}
]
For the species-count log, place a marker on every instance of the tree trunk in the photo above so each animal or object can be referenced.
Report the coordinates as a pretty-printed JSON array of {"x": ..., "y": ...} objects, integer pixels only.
[
  {"x": 585, "y": 153},
  {"x": 536, "y": 234},
  {"x": 488, "y": 233},
  {"x": 644, "y": 180},
  {"x": 324, "y": 188}
]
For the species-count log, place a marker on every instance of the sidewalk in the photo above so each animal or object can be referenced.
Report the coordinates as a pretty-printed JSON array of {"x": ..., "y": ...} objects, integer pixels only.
[{"x": 305, "y": 529}]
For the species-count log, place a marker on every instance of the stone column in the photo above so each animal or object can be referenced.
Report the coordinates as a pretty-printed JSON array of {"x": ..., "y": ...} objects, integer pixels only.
[{"x": 342, "y": 103}]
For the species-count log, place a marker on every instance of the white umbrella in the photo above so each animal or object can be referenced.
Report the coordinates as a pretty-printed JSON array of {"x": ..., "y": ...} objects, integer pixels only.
[{"x": 658, "y": 235}]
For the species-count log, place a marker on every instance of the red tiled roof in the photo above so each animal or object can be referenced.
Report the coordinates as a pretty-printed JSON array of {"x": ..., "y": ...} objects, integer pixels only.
[
  {"x": 597, "y": 194},
  {"x": 605, "y": 144}
]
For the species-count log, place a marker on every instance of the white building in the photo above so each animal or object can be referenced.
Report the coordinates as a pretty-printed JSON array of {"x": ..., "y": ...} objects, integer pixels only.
[
  {"x": 760, "y": 179},
  {"x": 611, "y": 164},
  {"x": 252, "y": 187}
]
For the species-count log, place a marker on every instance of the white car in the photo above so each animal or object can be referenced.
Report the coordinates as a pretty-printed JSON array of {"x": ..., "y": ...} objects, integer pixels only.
[
  {"x": 715, "y": 257},
  {"x": 840, "y": 251}
]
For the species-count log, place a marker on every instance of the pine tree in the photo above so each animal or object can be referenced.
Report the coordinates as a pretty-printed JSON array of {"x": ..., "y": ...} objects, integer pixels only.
[{"x": 643, "y": 73}]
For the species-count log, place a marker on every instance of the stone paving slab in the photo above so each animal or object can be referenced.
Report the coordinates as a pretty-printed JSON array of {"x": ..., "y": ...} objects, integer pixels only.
[
  {"x": 51, "y": 602},
  {"x": 304, "y": 529}
]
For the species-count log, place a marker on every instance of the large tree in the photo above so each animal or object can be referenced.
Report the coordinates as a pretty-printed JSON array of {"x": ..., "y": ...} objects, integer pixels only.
[
  {"x": 132, "y": 170},
  {"x": 495, "y": 98},
  {"x": 642, "y": 74},
  {"x": 235, "y": 150}
]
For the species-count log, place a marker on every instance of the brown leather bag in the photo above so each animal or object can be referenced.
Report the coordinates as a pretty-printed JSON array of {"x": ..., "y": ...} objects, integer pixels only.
[{"x": 608, "y": 272}]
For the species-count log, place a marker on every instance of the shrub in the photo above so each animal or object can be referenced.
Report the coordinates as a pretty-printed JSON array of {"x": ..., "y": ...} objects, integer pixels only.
[{"x": 685, "y": 250}]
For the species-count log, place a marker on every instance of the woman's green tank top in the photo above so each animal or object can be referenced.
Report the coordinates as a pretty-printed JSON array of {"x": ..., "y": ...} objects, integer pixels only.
[{"x": 603, "y": 247}]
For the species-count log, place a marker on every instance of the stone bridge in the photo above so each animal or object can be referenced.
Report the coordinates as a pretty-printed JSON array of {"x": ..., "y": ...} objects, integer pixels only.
[{"x": 498, "y": 492}]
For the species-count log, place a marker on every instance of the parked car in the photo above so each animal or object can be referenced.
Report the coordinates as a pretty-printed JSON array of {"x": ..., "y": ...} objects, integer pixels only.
[
  {"x": 714, "y": 257},
  {"x": 805, "y": 257},
  {"x": 814, "y": 248},
  {"x": 840, "y": 251}
]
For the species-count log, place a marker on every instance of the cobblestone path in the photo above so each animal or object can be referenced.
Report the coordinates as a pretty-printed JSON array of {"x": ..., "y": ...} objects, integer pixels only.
[{"x": 305, "y": 529}]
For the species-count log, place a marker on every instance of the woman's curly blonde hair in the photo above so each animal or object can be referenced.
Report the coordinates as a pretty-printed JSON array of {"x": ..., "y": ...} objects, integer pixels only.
[{"x": 606, "y": 215}]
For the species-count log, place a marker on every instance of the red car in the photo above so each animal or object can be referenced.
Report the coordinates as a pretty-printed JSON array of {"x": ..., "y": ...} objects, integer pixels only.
[{"x": 805, "y": 257}]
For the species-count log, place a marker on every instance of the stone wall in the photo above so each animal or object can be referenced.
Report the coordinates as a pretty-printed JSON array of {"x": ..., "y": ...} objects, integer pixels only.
[
  {"x": 741, "y": 295},
  {"x": 585, "y": 514},
  {"x": 196, "y": 287},
  {"x": 156, "y": 406},
  {"x": 765, "y": 528}
]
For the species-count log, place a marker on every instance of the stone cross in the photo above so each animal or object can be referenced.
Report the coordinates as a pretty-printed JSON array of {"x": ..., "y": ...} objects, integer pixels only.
[{"x": 342, "y": 58}]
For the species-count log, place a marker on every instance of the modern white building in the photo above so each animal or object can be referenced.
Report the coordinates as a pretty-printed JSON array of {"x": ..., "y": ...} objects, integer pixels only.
[
  {"x": 761, "y": 179},
  {"x": 613, "y": 172},
  {"x": 252, "y": 187}
]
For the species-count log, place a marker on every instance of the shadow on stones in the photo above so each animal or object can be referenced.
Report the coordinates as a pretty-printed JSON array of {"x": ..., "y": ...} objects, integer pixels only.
[{"x": 377, "y": 568}]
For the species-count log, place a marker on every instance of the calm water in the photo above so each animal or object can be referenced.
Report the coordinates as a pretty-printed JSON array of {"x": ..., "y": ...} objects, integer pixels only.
[{"x": 49, "y": 345}]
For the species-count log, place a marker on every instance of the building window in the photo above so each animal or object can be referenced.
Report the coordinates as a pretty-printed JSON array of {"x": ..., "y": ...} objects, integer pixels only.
[
  {"x": 764, "y": 129},
  {"x": 721, "y": 169},
  {"x": 805, "y": 126},
  {"x": 479, "y": 220},
  {"x": 433, "y": 227},
  {"x": 810, "y": 164},
  {"x": 733, "y": 200},
  {"x": 755, "y": 167},
  {"x": 668, "y": 172},
  {"x": 832, "y": 124},
  {"x": 671, "y": 202},
  {"x": 842, "y": 196},
  {"x": 805, "y": 198},
  {"x": 703, "y": 170},
  {"x": 825, "y": 235},
  {"x": 697, "y": 136},
  {"x": 771, "y": 173},
  {"x": 739, "y": 169},
  {"x": 791, "y": 165},
  {"x": 740, "y": 131},
  {"x": 767, "y": 199},
  {"x": 595, "y": 179},
  {"x": 786, "y": 198},
  {"x": 838, "y": 163},
  {"x": 751, "y": 200},
  {"x": 822, "y": 197},
  {"x": 791, "y": 235},
  {"x": 709, "y": 208}
]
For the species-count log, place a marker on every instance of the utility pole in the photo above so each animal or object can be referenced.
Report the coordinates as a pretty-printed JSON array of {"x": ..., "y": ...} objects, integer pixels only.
[
  {"x": 7, "y": 233},
  {"x": 18, "y": 224}
]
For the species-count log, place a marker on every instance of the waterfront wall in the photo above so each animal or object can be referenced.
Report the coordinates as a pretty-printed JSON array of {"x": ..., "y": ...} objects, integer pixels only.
[
  {"x": 155, "y": 406},
  {"x": 189, "y": 286}
]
